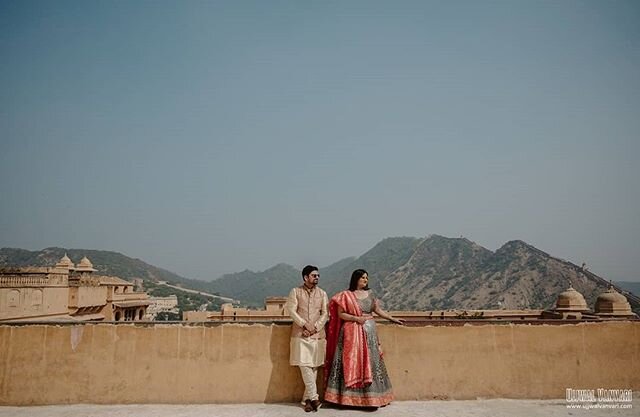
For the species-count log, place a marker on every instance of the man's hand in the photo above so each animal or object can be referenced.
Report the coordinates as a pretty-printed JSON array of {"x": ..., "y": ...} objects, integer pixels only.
[
  {"x": 305, "y": 333},
  {"x": 310, "y": 328}
]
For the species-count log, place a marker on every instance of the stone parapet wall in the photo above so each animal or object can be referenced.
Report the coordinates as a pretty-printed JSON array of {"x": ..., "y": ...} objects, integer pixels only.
[{"x": 242, "y": 363}]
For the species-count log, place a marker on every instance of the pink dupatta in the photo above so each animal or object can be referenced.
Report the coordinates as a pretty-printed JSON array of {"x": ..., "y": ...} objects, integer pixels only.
[{"x": 355, "y": 354}]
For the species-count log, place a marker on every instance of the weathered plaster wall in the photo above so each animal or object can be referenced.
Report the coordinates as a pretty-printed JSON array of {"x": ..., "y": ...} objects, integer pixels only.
[
  {"x": 88, "y": 296},
  {"x": 234, "y": 363},
  {"x": 33, "y": 302}
]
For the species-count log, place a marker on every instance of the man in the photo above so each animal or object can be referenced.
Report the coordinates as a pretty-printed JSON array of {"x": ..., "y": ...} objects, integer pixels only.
[{"x": 307, "y": 306}]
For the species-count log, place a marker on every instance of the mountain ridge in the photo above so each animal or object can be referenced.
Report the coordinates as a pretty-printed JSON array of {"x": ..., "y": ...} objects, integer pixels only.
[{"x": 430, "y": 273}]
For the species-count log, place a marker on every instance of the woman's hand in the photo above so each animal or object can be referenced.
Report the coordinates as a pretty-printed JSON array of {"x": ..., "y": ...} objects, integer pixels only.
[
  {"x": 398, "y": 321},
  {"x": 363, "y": 319}
]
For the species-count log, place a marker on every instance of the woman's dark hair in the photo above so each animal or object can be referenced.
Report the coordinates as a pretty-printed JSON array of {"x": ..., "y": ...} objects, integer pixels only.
[{"x": 357, "y": 274}]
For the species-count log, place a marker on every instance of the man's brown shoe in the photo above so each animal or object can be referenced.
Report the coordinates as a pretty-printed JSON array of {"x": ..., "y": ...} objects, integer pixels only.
[
  {"x": 307, "y": 406},
  {"x": 316, "y": 404}
]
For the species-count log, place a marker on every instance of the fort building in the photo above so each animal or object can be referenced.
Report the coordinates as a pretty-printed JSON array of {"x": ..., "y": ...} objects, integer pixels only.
[
  {"x": 273, "y": 310},
  {"x": 67, "y": 292},
  {"x": 157, "y": 305}
]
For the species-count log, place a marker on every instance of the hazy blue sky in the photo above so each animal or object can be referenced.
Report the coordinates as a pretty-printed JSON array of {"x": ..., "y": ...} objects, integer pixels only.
[{"x": 210, "y": 137}]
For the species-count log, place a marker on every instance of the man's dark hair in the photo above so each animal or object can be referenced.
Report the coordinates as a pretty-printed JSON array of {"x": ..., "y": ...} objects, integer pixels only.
[
  {"x": 357, "y": 274},
  {"x": 308, "y": 269}
]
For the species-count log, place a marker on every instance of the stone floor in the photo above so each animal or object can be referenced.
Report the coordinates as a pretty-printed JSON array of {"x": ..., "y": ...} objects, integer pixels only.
[{"x": 477, "y": 408}]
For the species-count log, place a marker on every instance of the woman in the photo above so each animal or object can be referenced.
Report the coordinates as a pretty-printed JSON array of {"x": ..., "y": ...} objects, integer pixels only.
[{"x": 355, "y": 374}]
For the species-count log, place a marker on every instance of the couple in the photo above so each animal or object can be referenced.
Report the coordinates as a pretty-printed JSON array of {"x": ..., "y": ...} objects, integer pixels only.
[{"x": 355, "y": 374}]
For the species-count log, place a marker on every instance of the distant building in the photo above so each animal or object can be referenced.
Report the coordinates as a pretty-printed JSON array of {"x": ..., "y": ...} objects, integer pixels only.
[
  {"x": 67, "y": 292},
  {"x": 273, "y": 310},
  {"x": 162, "y": 304}
]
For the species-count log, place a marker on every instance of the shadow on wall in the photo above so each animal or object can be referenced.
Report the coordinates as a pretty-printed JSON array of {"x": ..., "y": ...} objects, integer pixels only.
[
  {"x": 281, "y": 389},
  {"x": 285, "y": 381}
]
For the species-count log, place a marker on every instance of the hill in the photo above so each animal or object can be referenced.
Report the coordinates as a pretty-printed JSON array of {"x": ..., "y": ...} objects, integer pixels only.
[
  {"x": 633, "y": 287},
  {"x": 253, "y": 287},
  {"x": 445, "y": 273},
  {"x": 436, "y": 273},
  {"x": 406, "y": 273}
]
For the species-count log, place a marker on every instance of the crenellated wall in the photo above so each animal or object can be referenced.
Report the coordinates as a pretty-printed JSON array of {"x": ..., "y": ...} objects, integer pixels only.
[{"x": 237, "y": 363}]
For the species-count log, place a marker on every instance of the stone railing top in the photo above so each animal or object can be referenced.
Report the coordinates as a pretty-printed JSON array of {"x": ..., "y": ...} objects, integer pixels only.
[
  {"x": 280, "y": 322},
  {"x": 31, "y": 280}
]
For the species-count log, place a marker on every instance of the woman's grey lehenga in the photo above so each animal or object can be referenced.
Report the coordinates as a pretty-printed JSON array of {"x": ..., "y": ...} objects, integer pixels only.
[{"x": 379, "y": 393}]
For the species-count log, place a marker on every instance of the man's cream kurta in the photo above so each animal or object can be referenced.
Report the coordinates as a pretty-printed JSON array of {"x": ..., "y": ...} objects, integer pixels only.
[{"x": 307, "y": 306}]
